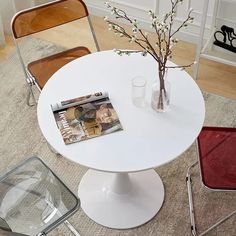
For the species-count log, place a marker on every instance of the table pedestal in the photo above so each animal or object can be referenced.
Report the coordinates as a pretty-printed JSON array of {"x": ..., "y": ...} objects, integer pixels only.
[{"x": 121, "y": 200}]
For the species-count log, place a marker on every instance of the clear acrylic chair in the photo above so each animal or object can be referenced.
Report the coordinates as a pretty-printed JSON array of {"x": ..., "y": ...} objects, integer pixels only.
[
  {"x": 33, "y": 200},
  {"x": 63, "y": 24},
  {"x": 216, "y": 147}
]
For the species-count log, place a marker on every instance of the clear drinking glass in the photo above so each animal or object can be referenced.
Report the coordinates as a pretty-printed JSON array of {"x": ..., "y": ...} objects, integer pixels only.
[{"x": 138, "y": 91}]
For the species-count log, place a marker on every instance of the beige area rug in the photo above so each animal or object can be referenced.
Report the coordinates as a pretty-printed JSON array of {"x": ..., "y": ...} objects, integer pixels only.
[{"x": 21, "y": 137}]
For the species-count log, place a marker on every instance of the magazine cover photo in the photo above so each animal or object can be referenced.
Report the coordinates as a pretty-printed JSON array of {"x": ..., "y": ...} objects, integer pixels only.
[{"x": 87, "y": 120}]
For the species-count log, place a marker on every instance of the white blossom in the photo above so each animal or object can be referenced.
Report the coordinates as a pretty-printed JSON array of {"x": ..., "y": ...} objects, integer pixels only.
[
  {"x": 154, "y": 20},
  {"x": 144, "y": 53},
  {"x": 151, "y": 26},
  {"x": 162, "y": 46},
  {"x": 113, "y": 11},
  {"x": 107, "y": 4},
  {"x": 132, "y": 39},
  {"x": 135, "y": 30},
  {"x": 150, "y": 12}
]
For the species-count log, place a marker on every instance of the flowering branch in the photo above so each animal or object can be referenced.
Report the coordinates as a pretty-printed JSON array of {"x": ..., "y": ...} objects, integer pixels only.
[{"x": 162, "y": 50}]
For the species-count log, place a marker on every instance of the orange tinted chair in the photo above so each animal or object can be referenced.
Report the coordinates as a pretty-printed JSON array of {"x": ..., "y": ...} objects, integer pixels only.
[
  {"x": 44, "y": 18},
  {"x": 217, "y": 165}
]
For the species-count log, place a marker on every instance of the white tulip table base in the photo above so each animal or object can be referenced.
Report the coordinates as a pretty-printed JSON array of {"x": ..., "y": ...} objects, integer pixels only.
[{"x": 121, "y": 200}]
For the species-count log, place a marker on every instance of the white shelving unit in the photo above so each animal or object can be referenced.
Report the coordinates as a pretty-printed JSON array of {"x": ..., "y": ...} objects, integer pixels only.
[{"x": 209, "y": 50}]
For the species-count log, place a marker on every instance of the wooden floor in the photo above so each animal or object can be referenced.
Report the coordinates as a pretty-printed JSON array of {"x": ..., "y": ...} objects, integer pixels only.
[{"x": 213, "y": 77}]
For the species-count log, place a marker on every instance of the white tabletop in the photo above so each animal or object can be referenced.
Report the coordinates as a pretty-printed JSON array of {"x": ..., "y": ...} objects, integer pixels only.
[{"x": 149, "y": 139}]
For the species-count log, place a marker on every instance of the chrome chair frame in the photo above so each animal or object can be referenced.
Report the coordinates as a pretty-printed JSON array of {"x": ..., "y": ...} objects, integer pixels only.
[
  {"x": 30, "y": 80},
  {"x": 191, "y": 202}
]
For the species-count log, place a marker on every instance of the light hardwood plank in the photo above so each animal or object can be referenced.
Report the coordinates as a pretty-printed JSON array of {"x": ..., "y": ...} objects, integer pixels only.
[{"x": 213, "y": 77}]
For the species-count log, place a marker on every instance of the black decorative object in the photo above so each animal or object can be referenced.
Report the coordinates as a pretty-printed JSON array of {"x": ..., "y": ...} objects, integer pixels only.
[{"x": 229, "y": 38}]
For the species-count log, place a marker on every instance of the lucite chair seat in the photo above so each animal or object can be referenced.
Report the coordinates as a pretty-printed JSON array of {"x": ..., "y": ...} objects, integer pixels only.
[
  {"x": 217, "y": 165},
  {"x": 9, "y": 233},
  {"x": 33, "y": 200},
  {"x": 40, "y": 70}
]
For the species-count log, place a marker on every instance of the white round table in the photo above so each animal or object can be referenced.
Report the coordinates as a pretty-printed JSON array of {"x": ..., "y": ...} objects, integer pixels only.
[{"x": 121, "y": 190}]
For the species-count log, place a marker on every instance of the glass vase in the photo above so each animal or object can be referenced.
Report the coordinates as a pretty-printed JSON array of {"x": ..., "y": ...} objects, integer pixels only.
[{"x": 160, "y": 100}]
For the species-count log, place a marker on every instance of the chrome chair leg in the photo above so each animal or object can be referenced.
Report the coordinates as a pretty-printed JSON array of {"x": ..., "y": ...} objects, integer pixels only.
[
  {"x": 71, "y": 228},
  {"x": 218, "y": 223},
  {"x": 190, "y": 200},
  {"x": 191, "y": 207},
  {"x": 66, "y": 222},
  {"x": 30, "y": 94}
]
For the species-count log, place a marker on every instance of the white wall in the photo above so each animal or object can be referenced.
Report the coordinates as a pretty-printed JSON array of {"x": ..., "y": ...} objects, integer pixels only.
[
  {"x": 23, "y": 4},
  {"x": 7, "y": 10},
  {"x": 9, "y": 7},
  {"x": 227, "y": 14},
  {"x": 138, "y": 9}
]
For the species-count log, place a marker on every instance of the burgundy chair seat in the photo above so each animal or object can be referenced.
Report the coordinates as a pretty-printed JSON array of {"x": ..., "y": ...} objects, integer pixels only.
[{"x": 217, "y": 157}]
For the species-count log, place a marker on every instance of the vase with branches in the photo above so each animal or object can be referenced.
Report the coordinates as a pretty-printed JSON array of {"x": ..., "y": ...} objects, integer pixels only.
[{"x": 160, "y": 50}]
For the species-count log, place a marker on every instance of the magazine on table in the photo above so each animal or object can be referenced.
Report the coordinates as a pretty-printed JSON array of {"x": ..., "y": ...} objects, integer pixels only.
[{"x": 86, "y": 117}]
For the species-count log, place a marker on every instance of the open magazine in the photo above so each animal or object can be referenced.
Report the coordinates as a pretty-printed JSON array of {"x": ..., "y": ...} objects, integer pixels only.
[{"x": 86, "y": 117}]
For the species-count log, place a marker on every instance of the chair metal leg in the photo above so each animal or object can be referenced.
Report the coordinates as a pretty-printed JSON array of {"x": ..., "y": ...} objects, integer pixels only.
[
  {"x": 66, "y": 222},
  {"x": 190, "y": 200},
  {"x": 191, "y": 207},
  {"x": 30, "y": 94},
  {"x": 218, "y": 223},
  {"x": 71, "y": 228}
]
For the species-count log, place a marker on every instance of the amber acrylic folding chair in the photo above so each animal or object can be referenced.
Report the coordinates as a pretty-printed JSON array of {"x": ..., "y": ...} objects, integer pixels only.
[
  {"x": 38, "y": 22},
  {"x": 216, "y": 147}
]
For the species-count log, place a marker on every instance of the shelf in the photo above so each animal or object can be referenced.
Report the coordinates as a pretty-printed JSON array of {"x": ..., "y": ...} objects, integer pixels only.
[
  {"x": 209, "y": 50},
  {"x": 219, "y": 55}
]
